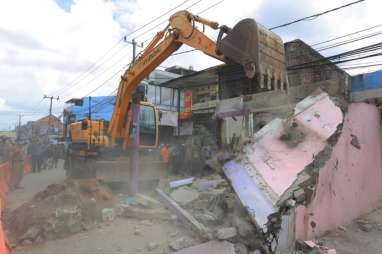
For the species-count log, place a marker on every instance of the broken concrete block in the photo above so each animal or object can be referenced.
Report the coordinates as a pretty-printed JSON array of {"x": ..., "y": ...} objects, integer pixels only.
[
  {"x": 207, "y": 185},
  {"x": 182, "y": 182},
  {"x": 226, "y": 233},
  {"x": 299, "y": 195},
  {"x": 179, "y": 243},
  {"x": 184, "y": 195}
]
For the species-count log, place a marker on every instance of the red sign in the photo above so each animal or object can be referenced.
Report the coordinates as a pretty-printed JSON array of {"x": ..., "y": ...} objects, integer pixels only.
[{"x": 187, "y": 105}]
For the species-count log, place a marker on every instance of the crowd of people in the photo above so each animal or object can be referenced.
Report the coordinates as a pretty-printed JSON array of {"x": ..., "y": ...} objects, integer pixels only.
[
  {"x": 185, "y": 158},
  {"x": 44, "y": 154}
]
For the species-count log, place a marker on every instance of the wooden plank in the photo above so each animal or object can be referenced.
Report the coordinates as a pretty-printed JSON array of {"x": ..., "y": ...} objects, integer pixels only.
[{"x": 184, "y": 215}]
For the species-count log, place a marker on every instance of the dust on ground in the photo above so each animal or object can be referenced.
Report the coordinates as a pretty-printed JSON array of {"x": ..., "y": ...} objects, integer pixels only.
[
  {"x": 58, "y": 211},
  {"x": 363, "y": 235},
  {"x": 119, "y": 236}
]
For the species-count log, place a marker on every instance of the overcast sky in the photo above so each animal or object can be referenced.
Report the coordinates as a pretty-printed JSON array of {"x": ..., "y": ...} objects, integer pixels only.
[{"x": 46, "y": 44}]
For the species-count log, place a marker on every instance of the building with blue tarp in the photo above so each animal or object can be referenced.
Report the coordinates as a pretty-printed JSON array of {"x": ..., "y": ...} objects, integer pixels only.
[
  {"x": 366, "y": 86},
  {"x": 101, "y": 108}
]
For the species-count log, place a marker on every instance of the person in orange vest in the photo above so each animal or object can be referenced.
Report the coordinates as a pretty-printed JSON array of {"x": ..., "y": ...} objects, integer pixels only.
[{"x": 164, "y": 153}]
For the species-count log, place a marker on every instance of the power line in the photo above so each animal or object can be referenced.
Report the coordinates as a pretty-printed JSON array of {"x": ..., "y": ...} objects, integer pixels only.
[
  {"x": 161, "y": 23},
  {"x": 94, "y": 66},
  {"x": 346, "y": 35},
  {"x": 208, "y": 8},
  {"x": 349, "y": 41},
  {"x": 343, "y": 57},
  {"x": 89, "y": 70},
  {"x": 316, "y": 15}
]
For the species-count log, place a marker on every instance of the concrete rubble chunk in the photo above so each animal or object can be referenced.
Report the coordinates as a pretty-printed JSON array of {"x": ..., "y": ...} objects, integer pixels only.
[
  {"x": 184, "y": 195},
  {"x": 181, "y": 182},
  {"x": 226, "y": 233},
  {"x": 179, "y": 243},
  {"x": 206, "y": 185}
]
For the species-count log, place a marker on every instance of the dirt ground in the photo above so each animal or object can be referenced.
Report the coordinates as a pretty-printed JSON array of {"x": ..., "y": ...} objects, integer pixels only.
[
  {"x": 128, "y": 235},
  {"x": 123, "y": 235},
  {"x": 364, "y": 235},
  {"x": 117, "y": 237}
]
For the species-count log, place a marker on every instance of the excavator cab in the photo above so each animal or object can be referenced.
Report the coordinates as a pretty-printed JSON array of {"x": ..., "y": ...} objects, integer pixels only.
[{"x": 148, "y": 125}]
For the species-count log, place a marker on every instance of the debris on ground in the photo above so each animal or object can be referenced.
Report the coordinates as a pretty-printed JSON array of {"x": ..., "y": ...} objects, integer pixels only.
[
  {"x": 144, "y": 214},
  {"x": 184, "y": 195},
  {"x": 226, "y": 233},
  {"x": 181, "y": 182},
  {"x": 60, "y": 210},
  {"x": 211, "y": 247},
  {"x": 180, "y": 243}
]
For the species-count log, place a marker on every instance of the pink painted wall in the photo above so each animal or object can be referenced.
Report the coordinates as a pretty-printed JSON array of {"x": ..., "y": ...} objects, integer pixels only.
[
  {"x": 279, "y": 164},
  {"x": 350, "y": 183}
]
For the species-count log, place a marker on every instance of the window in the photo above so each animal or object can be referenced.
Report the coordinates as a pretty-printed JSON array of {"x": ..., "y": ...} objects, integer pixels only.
[
  {"x": 147, "y": 126},
  {"x": 166, "y": 96}
]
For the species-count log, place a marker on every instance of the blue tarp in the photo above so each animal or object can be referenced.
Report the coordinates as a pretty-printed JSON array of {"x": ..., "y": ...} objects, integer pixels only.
[
  {"x": 101, "y": 108},
  {"x": 367, "y": 81}
]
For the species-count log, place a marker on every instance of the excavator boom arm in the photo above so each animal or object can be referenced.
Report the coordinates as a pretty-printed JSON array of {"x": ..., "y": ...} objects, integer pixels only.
[
  {"x": 181, "y": 30},
  {"x": 259, "y": 51}
]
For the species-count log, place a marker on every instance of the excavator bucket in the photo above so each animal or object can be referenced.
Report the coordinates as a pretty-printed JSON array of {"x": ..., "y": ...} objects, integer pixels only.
[{"x": 258, "y": 50}]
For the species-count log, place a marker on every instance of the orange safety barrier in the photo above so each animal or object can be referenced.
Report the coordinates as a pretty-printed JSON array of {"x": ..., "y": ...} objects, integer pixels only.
[
  {"x": 5, "y": 175},
  {"x": 27, "y": 164}
]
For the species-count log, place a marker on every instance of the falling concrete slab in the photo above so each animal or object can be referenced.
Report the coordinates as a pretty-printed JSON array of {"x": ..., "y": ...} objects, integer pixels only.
[
  {"x": 317, "y": 117},
  {"x": 211, "y": 247},
  {"x": 300, "y": 189},
  {"x": 279, "y": 153}
]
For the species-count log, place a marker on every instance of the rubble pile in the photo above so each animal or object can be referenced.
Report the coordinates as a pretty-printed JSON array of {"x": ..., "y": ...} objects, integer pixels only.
[
  {"x": 211, "y": 208},
  {"x": 58, "y": 211}
]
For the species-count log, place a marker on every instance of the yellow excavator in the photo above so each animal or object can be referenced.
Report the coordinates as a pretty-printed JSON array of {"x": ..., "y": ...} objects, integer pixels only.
[{"x": 109, "y": 149}]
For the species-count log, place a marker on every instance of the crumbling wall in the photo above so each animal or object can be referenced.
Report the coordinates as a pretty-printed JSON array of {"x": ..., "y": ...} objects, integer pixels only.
[{"x": 349, "y": 183}]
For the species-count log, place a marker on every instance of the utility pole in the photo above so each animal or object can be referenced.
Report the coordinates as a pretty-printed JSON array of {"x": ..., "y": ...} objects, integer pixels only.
[
  {"x": 18, "y": 133},
  {"x": 135, "y": 45},
  {"x": 51, "y": 98}
]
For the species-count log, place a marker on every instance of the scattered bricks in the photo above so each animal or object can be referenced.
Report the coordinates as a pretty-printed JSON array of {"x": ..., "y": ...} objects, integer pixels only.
[
  {"x": 225, "y": 233},
  {"x": 331, "y": 251}
]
